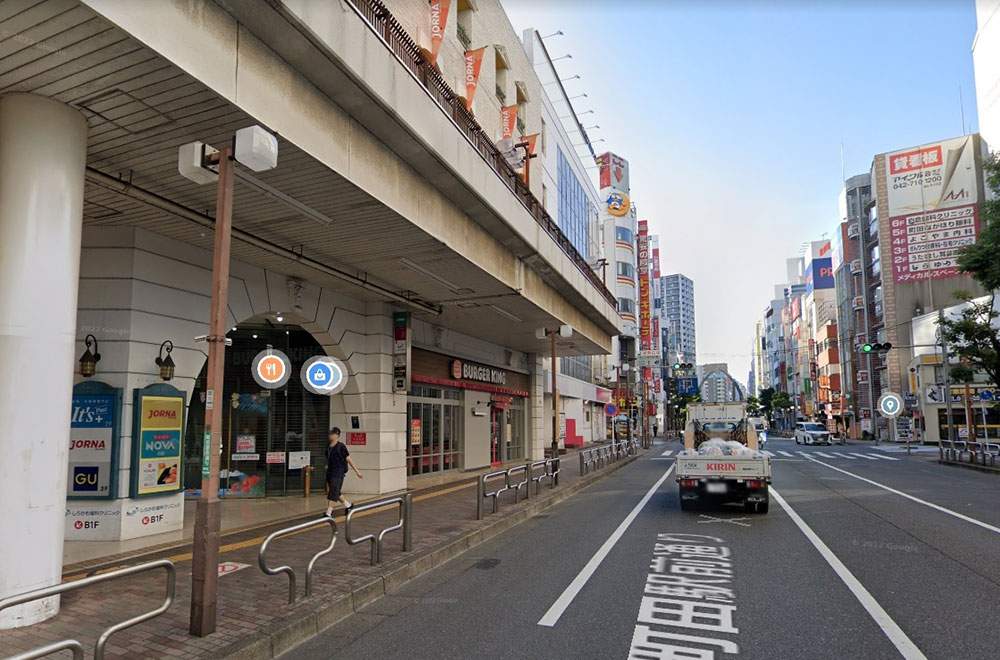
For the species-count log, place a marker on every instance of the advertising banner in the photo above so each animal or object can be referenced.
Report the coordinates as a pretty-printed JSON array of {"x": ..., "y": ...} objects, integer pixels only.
[
  {"x": 508, "y": 120},
  {"x": 926, "y": 245},
  {"x": 613, "y": 172},
  {"x": 819, "y": 275},
  {"x": 93, "y": 441},
  {"x": 246, "y": 443},
  {"x": 439, "y": 18},
  {"x": 645, "y": 312},
  {"x": 933, "y": 191},
  {"x": 473, "y": 64},
  {"x": 157, "y": 440}
]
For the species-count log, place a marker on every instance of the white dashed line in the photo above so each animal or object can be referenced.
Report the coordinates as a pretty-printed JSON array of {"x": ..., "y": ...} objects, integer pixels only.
[
  {"x": 870, "y": 458},
  {"x": 837, "y": 453},
  {"x": 819, "y": 453},
  {"x": 667, "y": 453},
  {"x": 885, "y": 458},
  {"x": 785, "y": 453}
]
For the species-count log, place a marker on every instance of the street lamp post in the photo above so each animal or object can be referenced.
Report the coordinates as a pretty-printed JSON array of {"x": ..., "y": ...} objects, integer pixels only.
[{"x": 564, "y": 331}]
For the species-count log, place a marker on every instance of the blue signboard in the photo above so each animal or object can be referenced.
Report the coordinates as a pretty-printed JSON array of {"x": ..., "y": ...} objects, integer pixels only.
[
  {"x": 687, "y": 385},
  {"x": 819, "y": 275},
  {"x": 93, "y": 441}
]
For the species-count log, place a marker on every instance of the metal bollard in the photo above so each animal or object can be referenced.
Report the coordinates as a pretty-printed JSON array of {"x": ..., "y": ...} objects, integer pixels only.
[
  {"x": 527, "y": 486},
  {"x": 583, "y": 464},
  {"x": 480, "y": 494},
  {"x": 407, "y": 522},
  {"x": 308, "y": 473},
  {"x": 555, "y": 472}
]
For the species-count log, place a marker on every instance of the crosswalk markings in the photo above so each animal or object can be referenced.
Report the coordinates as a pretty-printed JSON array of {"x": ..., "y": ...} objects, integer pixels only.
[
  {"x": 870, "y": 458},
  {"x": 767, "y": 453},
  {"x": 837, "y": 453},
  {"x": 785, "y": 453},
  {"x": 885, "y": 458},
  {"x": 824, "y": 455},
  {"x": 667, "y": 453}
]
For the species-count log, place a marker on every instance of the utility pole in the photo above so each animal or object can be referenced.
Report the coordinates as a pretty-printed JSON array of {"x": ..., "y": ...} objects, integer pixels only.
[
  {"x": 208, "y": 511},
  {"x": 555, "y": 399},
  {"x": 946, "y": 360}
]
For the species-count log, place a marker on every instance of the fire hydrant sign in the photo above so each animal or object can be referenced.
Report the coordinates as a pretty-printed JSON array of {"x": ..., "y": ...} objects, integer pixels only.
[
  {"x": 157, "y": 437},
  {"x": 93, "y": 441}
]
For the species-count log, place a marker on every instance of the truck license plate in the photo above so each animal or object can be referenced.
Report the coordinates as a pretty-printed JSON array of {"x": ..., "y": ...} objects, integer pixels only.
[{"x": 715, "y": 488}]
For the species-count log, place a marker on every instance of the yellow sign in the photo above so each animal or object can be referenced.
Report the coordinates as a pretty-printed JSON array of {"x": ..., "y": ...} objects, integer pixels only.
[
  {"x": 161, "y": 428},
  {"x": 618, "y": 204}
]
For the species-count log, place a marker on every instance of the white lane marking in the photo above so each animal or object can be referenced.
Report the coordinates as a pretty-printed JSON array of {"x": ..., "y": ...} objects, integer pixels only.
[
  {"x": 895, "y": 634},
  {"x": 870, "y": 458},
  {"x": 667, "y": 453},
  {"x": 885, "y": 458},
  {"x": 936, "y": 507},
  {"x": 785, "y": 453},
  {"x": 662, "y": 458},
  {"x": 767, "y": 453},
  {"x": 580, "y": 581},
  {"x": 837, "y": 453},
  {"x": 819, "y": 453}
]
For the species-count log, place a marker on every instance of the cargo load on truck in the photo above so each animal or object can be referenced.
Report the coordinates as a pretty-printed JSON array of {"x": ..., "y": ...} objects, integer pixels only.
[{"x": 721, "y": 461}]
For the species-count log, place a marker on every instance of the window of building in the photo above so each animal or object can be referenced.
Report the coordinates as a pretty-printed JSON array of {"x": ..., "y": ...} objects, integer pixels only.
[
  {"x": 626, "y": 306},
  {"x": 572, "y": 215},
  {"x": 464, "y": 26},
  {"x": 625, "y": 269},
  {"x": 542, "y": 137},
  {"x": 438, "y": 413},
  {"x": 623, "y": 234},
  {"x": 545, "y": 197},
  {"x": 501, "y": 69}
]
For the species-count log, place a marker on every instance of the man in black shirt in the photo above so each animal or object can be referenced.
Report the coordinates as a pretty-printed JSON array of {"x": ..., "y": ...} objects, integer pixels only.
[{"x": 337, "y": 461}]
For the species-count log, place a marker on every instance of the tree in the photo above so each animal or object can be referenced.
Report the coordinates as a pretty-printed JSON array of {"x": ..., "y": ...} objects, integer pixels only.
[
  {"x": 780, "y": 401},
  {"x": 753, "y": 406},
  {"x": 974, "y": 336},
  {"x": 766, "y": 405}
]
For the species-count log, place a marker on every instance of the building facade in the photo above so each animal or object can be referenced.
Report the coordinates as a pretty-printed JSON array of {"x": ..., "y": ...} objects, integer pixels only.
[{"x": 678, "y": 304}]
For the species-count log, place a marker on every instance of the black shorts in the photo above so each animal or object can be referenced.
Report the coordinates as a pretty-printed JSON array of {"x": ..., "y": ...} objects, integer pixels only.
[{"x": 335, "y": 484}]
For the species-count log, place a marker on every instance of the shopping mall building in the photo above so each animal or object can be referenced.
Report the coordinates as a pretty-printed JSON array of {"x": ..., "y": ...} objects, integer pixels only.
[{"x": 389, "y": 208}]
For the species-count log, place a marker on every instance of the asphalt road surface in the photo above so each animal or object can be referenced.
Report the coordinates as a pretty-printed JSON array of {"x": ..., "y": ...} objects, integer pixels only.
[{"x": 865, "y": 553}]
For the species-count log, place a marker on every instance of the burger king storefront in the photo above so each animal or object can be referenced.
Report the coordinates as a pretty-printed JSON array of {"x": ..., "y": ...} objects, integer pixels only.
[{"x": 464, "y": 415}]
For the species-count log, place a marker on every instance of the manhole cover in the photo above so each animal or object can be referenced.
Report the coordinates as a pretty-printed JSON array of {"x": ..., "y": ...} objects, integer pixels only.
[{"x": 486, "y": 564}]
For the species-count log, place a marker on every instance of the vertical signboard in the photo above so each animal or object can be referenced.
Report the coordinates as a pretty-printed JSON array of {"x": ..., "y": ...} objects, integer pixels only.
[
  {"x": 401, "y": 352},
  {"x": 157, "y": 447},
  {"x": 933, "y": 192},
  {"x": 439, "y": 18},
  {"x": 645, "y": 313},
  {"x": 473, "y": 63},
  {"x": 508, "y": 120},
  {"x": 93, "y": 441},
  {"x": 613, "y": 172}
]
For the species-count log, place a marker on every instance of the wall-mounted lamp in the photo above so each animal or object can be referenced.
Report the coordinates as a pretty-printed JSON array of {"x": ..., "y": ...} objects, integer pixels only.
[
  {"x": 88, "y": 361},
  {"x": 166, "y": 364}
]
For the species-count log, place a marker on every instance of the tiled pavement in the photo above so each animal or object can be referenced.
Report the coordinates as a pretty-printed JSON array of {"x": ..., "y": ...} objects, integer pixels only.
[{"x": 254, "y": 616}]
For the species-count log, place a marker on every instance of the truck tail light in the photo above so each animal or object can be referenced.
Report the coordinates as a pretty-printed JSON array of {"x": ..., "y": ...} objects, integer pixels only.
[
  {"x": 756, "y": 484},
  {"x": 689, "y": 483}
]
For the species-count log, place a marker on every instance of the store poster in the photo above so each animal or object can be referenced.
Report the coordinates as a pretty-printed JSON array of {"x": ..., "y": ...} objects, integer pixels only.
[
  {"x": 157, "y": 440},
  {"x": 93, "y": 441}
]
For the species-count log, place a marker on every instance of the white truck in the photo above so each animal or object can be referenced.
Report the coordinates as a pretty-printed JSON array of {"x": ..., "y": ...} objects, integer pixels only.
[{"x": 722, "y": 471}]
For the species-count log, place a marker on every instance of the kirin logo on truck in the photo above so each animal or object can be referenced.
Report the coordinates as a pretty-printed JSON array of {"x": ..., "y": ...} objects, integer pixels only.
[{"x": 720, "y": 466}]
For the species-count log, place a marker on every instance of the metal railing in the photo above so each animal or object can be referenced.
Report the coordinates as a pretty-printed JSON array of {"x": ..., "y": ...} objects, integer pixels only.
[
  {"x": 598, "y": 457},
  {"x": 262, "y": 553},
  {"x": 410, "y": 55},
  {"x": 405, "y": 523},
  {"x": 550, "y": 470},
  {"x": 75, "y": 646}
]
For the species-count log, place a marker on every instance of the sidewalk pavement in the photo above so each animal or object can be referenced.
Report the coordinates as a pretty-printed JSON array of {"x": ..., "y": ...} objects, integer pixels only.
[{"x": 255, "y": 619}]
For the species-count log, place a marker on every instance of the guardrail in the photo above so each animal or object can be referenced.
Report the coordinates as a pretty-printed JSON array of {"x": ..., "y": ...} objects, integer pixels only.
[
  {"x": 405, "y": 523},
  {"x": 598, "y": 457},
  {"x": 262, "y": 553},
  {"x": 974, "y": 452},
  {"x": 72, "y": 644},
  {"x": 550, "y": 471}
]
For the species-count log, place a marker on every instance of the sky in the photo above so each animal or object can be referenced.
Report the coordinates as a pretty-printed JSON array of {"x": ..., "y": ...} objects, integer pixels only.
[{"x": 733, "y": 116}]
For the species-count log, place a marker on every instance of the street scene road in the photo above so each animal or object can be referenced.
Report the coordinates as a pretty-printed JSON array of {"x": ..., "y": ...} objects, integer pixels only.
[{"x": 865, "y": 553}]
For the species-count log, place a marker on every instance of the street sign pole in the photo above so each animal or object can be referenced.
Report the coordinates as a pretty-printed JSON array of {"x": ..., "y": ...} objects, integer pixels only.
[{"x": 208, "y": 511}]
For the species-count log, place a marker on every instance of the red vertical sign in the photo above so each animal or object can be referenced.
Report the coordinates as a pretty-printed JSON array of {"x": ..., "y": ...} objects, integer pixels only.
[
  {"x": 473, "y": 63},
  {"x": 645, "y": 313},
  {"x": 508, "y": 119},
  {"x": 439, "y": 17}
]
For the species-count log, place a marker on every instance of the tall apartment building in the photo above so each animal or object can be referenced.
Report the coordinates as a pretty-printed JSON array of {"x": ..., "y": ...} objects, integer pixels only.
[
  {"x": 678, "y": 302},
  {"x": 986, "y": 61}
]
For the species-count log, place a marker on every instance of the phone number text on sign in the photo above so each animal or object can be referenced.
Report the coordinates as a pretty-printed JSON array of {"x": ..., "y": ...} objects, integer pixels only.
[{"x": 926, "y": 245}]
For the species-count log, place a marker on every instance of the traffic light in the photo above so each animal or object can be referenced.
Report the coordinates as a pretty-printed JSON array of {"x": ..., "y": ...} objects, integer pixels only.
[
  {"x": 875, "y": 348},
  {"x": 682, "y": 365}
]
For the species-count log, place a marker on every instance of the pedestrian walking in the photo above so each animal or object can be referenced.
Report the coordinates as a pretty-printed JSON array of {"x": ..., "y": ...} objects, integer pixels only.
[
  {"x": 337, "y": 461},
  {"x": 655, "y": 429}
]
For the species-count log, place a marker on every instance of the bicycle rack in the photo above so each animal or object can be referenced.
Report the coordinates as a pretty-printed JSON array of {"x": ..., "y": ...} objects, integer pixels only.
[
  {"x": 516, "y": 486},
  {"x": 262, "y": 554},
  {"x": 72, "y": 644},
  {"x": 405, "y": 523}
]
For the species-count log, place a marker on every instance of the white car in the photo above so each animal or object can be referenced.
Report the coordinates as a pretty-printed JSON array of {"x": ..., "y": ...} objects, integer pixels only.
[{"x": 811, "y": 433}]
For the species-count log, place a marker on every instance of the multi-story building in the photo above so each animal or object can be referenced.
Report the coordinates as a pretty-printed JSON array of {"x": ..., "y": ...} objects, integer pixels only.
[
  {"x": 573, "y": 201},
  {"x": 391, "y": 235},
  {"x": 986, "y": 60},
  {"x": 678, "y": 302},
  {"x": 717, "y": 385},
  {"x": 849, "y": 267}
]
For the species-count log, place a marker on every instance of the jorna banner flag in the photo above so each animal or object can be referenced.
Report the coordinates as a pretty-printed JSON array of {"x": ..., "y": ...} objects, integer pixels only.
[{"x": 473, "y": 63}]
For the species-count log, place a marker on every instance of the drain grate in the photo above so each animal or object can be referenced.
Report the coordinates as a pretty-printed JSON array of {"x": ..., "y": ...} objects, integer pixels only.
[{"x": 487, "y": 564}]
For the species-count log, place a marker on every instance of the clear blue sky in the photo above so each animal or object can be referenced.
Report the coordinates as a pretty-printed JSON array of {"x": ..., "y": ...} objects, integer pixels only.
[{"x": 732, "y": 115}]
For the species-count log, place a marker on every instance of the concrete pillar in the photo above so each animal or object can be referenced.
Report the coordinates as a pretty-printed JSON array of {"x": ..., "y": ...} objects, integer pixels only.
[{"x": 43, "y": 151}]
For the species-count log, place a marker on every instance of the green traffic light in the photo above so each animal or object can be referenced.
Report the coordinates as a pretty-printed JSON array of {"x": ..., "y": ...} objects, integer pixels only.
[
  {"x": 867, "y": 348},
  {"x": 677, "y": 365}
]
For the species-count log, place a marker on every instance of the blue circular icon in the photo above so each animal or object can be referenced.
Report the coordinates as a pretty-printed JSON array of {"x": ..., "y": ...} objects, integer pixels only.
[
  {"x": 890, "y": 405},
  {"x": 323, "y": 374}
]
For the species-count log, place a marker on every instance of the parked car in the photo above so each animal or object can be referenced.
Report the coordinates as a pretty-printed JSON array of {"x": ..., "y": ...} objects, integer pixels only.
[{"x": 811, "y": 433}]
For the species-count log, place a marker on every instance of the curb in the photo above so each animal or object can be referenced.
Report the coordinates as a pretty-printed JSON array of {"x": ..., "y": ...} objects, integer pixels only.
[
  {"x": 969, "y": 466},
  {"x": 285, "y": 634}
]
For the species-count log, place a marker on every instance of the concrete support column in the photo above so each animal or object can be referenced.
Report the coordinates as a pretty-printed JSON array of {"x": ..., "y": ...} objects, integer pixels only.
[{"x": 43, "y": 150}]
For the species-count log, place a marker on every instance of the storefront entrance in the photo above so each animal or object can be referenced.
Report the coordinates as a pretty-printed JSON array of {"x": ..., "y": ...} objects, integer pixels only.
[
  {"x": 506, "y": 429},
  {"x": 268, "y": 435}
]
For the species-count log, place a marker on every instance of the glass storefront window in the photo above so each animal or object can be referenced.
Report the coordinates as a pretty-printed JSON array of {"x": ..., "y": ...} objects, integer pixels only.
[{"x": 436, "y": 446}]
